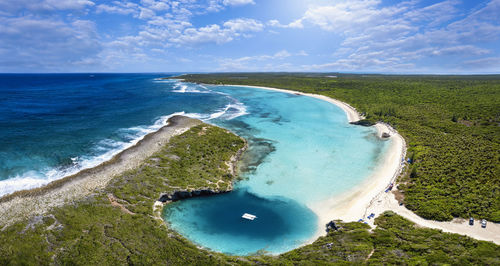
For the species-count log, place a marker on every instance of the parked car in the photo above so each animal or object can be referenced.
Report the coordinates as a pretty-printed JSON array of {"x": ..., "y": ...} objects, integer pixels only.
[
  {"x": 471, "y": 221},
  {"x": 483, "y": 223}
]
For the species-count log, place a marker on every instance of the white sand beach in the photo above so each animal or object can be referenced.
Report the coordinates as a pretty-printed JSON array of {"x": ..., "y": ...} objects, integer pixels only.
[
  {"x": 352, "y": 205},
  {"x": 370, "y": 196},
  {"x": 352, "y": 114}
]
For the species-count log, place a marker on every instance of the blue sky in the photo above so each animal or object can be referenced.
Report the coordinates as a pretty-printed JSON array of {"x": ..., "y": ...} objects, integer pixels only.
[{"x": 381, "y": 36}]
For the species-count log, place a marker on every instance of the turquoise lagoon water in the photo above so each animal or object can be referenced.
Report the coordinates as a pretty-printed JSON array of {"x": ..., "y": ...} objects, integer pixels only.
[{"x": 302, "y": 151}]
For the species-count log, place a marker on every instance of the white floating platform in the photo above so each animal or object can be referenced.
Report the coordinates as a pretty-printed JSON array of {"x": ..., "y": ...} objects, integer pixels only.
[{"x": 249, "y": 216}]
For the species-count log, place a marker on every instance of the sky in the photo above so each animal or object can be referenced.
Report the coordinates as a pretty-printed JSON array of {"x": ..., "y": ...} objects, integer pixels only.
[{"x": 370, "y": 36}]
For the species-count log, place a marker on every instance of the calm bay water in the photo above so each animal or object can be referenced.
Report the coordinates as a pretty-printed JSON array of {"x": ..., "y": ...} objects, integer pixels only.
[{"x": 302, "y": 150}]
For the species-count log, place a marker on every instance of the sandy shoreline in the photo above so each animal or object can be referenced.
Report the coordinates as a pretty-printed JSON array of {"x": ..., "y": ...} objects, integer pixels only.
[
  {"x": 352, "y": 205},
  {"x": 370, "y": 196},
  {"x": 17, "y": 206},
  {"x": 352, "y": 114}
]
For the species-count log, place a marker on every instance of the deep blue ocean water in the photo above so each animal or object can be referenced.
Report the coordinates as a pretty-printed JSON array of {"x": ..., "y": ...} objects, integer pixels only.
[
  {"x": 56, "y": 124},
  {"x": 302, "y": 150}
]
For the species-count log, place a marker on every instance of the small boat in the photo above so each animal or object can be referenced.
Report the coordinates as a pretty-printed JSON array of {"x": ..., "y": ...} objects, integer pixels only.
[{"x": 248, "y": 216}]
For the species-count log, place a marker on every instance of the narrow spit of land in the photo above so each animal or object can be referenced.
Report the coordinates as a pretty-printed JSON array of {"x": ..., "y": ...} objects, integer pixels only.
[
  {"x": 115, "y": 223},
  {"x": 20, "y": 205}
]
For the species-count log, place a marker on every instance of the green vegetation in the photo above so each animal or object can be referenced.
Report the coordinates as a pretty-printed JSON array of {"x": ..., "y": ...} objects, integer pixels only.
[
  {"x": 95, "y": 232},
  {"x": 395, "y": 241},
  {"x": 116, "y": 226},
  {"x": 451, "y": 125},
  {"x": 195, "y": 160}
]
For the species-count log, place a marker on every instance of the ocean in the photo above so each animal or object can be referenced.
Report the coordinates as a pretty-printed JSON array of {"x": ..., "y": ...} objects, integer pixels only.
[
  {"x": 53, "y": 125},
  {"x": 302, "y": 150}
]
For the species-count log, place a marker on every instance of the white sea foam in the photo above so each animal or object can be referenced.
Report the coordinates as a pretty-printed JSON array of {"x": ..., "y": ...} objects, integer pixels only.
[
  {"x": 26, "y": 181},
  {"x": 107, "y": 148},
  {"x": 218, "y": 114},
  {"x": 190, "y": 88},
  {"x": 240, "y": 109},
  {"x": 161, "y": 80},
  {"x": 229, "y": 112},
  {"x": 33, "y": 179},
  {"x": 180, "y": 88}
]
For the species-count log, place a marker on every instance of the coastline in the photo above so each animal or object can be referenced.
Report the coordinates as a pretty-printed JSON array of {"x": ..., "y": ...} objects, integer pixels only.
[
  {"x": 352, "y": 114},
  {"x": 352, "y": 205},
  {"x": 370, "y": 196},
  {"x": 18, "y": 205}
]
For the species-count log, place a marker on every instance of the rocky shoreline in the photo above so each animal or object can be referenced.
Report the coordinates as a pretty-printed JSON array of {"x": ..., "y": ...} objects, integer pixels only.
[
  {"x": 184, "y": 194},
  {"x": 166, "y": 198},
  {"x": 27, "y": 203}
]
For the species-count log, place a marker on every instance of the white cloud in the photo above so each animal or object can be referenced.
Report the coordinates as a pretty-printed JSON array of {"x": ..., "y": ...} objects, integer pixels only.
[
  {"x": 434, "y": 14},
  {"x": 466, "y": 50},
  {"x": 488, "y": 63},
  {"x": 385, "y": 37},
  {"x": 44, "y": 5},
  {"x": 278, "y": 56},
  {"x": 269, "y": 62},
  {"x": 67, "y": 4},
  {"x": 156, "y": 5},
  {"x": 243, "y": 24},
  {"x": 297, "y": 24},
  {"x": 214, "y": 33},
  {"x": 30, "y": 43},
  {"x": 210, "y": 33},
  {"x": 53, "y": 36},
  {"x": 237, "y": 2},
  {"x": 146, "y": 13},
  {"x": 169, "y": 23},
  {"x": 123, "y": 8},
  {"x": 350, "y": 16}
]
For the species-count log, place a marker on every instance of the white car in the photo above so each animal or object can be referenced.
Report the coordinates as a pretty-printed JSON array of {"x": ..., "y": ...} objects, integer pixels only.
[{"x": 483, "y": 223}]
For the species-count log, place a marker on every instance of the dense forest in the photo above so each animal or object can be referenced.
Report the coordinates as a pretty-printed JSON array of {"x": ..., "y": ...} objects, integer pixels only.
[
  {"x": 117, "y": 226},
  {"x": 451, "y": 125}
]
